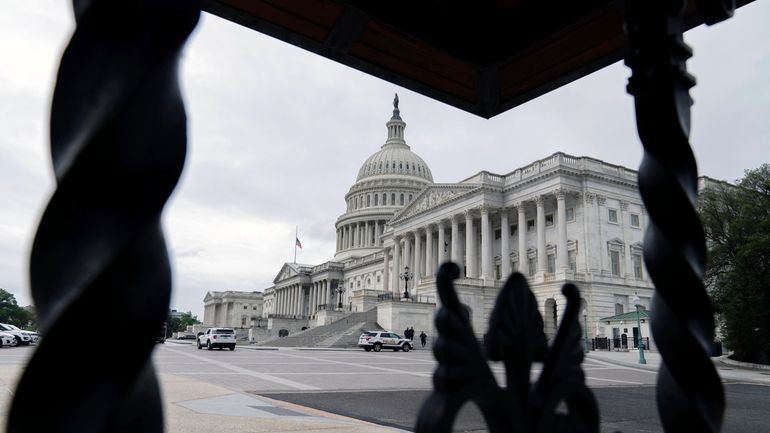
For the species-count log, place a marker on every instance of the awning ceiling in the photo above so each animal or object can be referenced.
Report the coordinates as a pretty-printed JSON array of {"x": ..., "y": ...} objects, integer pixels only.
[{"x": 483, "y": 56}]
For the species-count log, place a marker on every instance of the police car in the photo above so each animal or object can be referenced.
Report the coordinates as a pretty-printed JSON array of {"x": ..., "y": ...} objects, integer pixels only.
[{"x": 378, "y": 340}]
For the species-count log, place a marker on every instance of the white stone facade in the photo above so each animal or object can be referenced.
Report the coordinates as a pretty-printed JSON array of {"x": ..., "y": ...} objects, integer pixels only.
[
  {"x": 233, "y": 309},
  {"x": 560, "y": 219}
]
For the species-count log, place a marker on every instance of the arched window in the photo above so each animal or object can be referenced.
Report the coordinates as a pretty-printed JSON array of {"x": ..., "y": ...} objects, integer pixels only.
[
  {"x": 355, "y": 206},
  {"x": 393, "y": 198},
  {"x": 384, "y": 198},
  {"x": 387, "y": 165},
  {"x": 376, "y": 199},
  {"x": 402, "y": 199},
  {"x": 400, "y": 166},
  {"x": 368, "y": 200},
  {"x": 410, "y": 198}
]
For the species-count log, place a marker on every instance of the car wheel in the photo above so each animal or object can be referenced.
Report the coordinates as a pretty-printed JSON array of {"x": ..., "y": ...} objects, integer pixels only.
[
  {"x": 407, "y": 347},
  {"x": 199, "y": 345},
  {"x": 377, "y": 347},
  {"x": 208, "y": 345},
  {"x": 232, "y": 347},
  {"x": 18, "y": 340}
]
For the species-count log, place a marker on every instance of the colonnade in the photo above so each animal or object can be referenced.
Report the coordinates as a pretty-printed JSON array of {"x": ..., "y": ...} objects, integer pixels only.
[
  {"x": 360, "y": 234},
  {"x": 408, "y": 247},
  {"x": 290, "y": 300}
]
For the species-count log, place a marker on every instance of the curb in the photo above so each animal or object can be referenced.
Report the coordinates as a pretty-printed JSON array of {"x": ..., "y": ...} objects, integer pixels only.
[
  {"x": 747, "y": 365},
  {"x": 649, "y": 367}
]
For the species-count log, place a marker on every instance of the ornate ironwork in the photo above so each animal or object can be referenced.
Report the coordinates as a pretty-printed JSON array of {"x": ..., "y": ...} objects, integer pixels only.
[
  {"x": 690, "y": 395},
  {"x": 118, "y": 142},
  {"x": 516, "y": 338}
]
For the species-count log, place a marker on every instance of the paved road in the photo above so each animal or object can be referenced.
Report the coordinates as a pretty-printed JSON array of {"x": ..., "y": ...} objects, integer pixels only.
[{"x": 313, "y": 370}]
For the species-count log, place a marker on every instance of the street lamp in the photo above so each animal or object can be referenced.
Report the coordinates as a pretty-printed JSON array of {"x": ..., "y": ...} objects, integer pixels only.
[
  {"x": 585, "y": 330},
  {"x": 340, "y": 291},
  {"x": 637, "y": 302},
  {"x": 406, "y": 276}
]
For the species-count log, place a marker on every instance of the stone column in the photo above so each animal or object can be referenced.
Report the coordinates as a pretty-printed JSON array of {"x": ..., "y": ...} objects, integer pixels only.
[
  {"x": 542, "y": 259},
  {"x": 345, "y": 237},
  {"x": 441, "y": 242},
  {"x": 279, "y": 302},
  {"x": 385, "y": 269},
  {"x": 470, "y": 246},
  {"x": 505, "y": 245},
  {"x": 523, "y": 259},
  {"x": 407, "y": 252},
  {"x": 455, "y": 253},
  {"x": 396, "y": 264},
  {"x": 429, "y": 251},
  {"x": 624, "y": 223},
  {"x": 314, "y": 299},
  {"x": 600, "y": 218},
  {"x": 561, "y": 218},
  {"x": 367, "y": 236},
  {"x": 486, "y": 245},
  {"x": 416, "y": 261},
  {"x": 377, "y": 233}
]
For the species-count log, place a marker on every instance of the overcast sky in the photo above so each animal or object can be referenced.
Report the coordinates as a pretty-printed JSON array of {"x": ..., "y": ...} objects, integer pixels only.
[{"x": 277, "y": 136}]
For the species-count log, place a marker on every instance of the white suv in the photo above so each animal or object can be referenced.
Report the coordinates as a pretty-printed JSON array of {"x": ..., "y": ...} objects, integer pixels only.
[
  {"x": 378, "y": 340},
  {"x": 217, "y": 337}
]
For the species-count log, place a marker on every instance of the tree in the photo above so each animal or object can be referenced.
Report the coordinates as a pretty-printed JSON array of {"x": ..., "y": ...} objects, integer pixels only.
[
  {"x": 736, "y": 220},
  {"x": 179, "y": 324},
  {"x": 12, "y": 313}
]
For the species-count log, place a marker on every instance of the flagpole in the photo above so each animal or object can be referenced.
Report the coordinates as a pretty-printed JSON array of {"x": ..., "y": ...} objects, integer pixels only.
[{"x": 296, "y": 233}]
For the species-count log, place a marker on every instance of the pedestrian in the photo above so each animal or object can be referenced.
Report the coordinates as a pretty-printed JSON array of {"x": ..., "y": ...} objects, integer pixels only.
[
  {"x": 411, "y": 333},
  {"x": 423, "y": 338},
  {"x": 406, "y": 333}
]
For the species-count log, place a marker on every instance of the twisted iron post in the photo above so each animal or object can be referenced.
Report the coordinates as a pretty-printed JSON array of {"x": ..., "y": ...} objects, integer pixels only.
[
  {"x": 689, "y": 393},
  {"x": 99, "y": 259}
]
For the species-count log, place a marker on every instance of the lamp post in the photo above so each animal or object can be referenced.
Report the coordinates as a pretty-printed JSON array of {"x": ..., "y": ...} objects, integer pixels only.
[
  {"x": 585, "y": 330},
  {"x": 636, "y": 302},
  {"x": 406, "y": 276},
  {"x": 340, "y": 291}
]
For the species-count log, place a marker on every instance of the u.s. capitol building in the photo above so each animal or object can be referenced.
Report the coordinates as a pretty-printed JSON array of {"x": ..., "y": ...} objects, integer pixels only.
[{"x": 560, "y": 219}]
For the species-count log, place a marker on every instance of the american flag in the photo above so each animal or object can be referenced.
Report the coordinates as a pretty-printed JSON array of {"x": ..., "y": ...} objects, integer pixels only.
[{"x": 299, "y": 244}]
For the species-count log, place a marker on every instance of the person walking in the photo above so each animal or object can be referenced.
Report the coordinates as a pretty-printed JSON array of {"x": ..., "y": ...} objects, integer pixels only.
[
  {"x": 406, "y": 333},
  {"x": 423, "y": 338}
]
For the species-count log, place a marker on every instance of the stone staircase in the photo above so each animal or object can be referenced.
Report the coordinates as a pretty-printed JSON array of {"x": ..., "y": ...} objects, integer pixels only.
[{"x": 342, "y": 333}]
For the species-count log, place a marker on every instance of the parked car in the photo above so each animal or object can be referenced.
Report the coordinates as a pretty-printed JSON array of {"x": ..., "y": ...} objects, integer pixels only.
[
  {"x": 22, "y": 337},
  {"x": 378, "y": 340},
  {"x": 7, "y": 339},
  {"x": 189, "y": 336},
  {"x": 217, "y": 337}
]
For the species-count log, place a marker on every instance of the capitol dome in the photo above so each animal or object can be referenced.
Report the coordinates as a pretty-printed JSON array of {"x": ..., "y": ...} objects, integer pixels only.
[
  {"x": 387, "y": 181},
  {"x": 395, "y": 157}
]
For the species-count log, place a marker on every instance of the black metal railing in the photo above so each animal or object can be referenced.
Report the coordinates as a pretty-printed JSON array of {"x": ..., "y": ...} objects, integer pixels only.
[
  {"x": 417, "y": 299},
  {"x": 610, "y": 344}
]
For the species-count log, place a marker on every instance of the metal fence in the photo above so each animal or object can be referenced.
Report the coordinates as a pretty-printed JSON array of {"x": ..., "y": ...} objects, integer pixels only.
[{"x": 418, "y": 299}]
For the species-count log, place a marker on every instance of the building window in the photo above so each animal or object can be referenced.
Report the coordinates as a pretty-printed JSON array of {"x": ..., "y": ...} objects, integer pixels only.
[
  {"x": 497, "y": 272},
  {"x": 351, "y": 284},
  {"x": 378, "y": 278},
  {"x": 359, "y": 284},
  {"x": 410, "y": 198},
  {"x": 254, "y": 308},
  {"x": 532, "y": 266},
  {"x": 245, "y": 307},
  {"x": 570, "y": 214},
  {"x": 393, "y": 198},
  {"x": 551, "y": 263},
  {"x": 384, "y": 199},
  {"x": 572, "y": 260},
  {"x": 498, "y": 234},
  {"x": 368, "y": 200},
  {"x": 514, "y": 229},
  {"x": 612, "y": 216},
  {"x": 531, "y": 225},
  {"x": 402, "y": 200},
  {"x": 355, "y": 203},
  {"x": 549, "y": 220},
  {"x": 637, "y": 259},
  {"x": 376, "y": 200},
  {"x": 635, "y": 220},
  {"x": 615, "y": 263},
  {"x": 514, "y": 265},
  {"x": 618, "y": 309}
]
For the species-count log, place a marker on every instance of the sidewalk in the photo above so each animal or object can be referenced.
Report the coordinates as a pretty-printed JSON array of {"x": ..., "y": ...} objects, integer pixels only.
[
  {"x": 729, "y": 370},
  {"x": 193, "y": 406}
]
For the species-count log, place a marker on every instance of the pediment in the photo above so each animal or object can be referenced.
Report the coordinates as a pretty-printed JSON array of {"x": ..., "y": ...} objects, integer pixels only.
[
  {"x": 433, "y": 197},
  {"x": 287, "y": 271}
]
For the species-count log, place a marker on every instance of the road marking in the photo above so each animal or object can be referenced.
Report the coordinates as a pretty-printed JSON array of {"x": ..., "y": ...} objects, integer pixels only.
[
  {"x": 613, "y": 380},
  {"x": 263, "y": 376},
  {"x": 352, "y": 364},
  {"x": 623, "y": 367}
]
